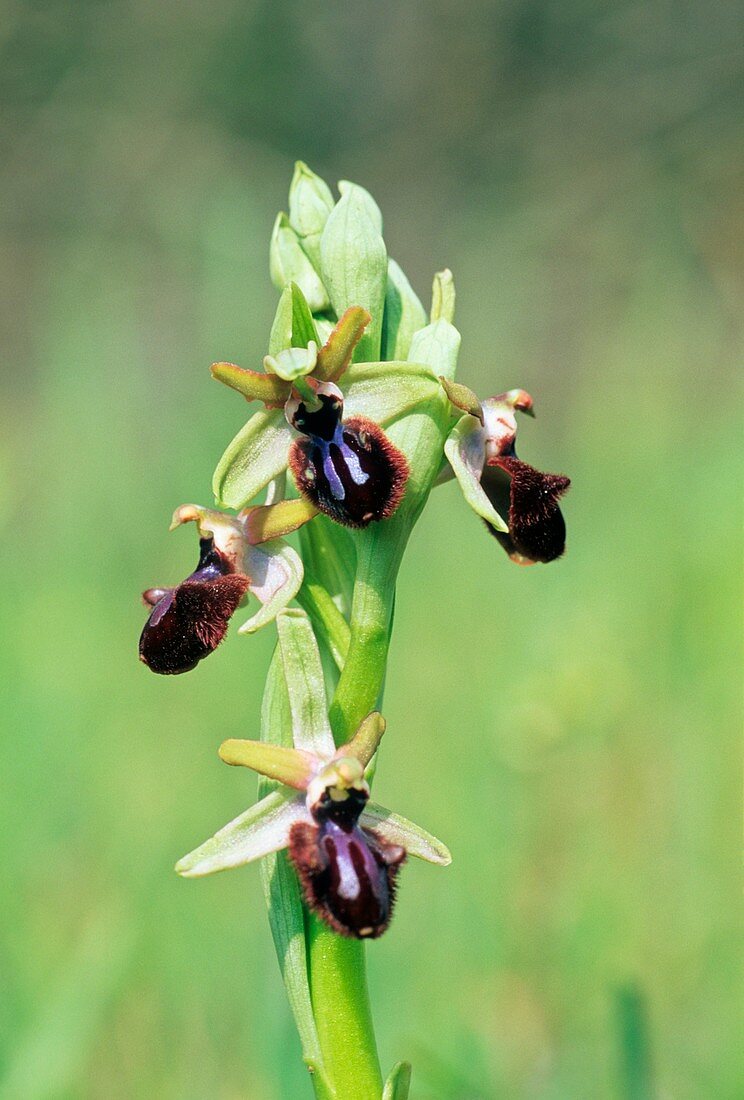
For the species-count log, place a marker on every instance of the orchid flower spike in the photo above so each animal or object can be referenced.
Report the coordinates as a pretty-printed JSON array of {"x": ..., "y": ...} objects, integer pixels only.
[
  {"x": 189, "y": 621},
  {"x": 495, "y": 483},
  {"x": 322, "y": 419},
  {"x": 347, "y": 850}
]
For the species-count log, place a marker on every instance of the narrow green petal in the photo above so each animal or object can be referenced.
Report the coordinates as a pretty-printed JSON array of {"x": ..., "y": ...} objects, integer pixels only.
[
  {"x": 437, "y": 345},
  {"x": 466, "y": 450},
  {"x": 404, "y": 314},
  {"x": 398, "y": 1084},
  {"x": 354, "y": 263},
  {"x": 366, "y": 740},
  {"x": 288, "y": 766},
  {"x": 335, "y": 355},
  {"x": 303, "y": 673},
  {"x": 253, "y": 385},
  {"x": 399, "y": 830},
  {"x": 275, "y": 570},
  {"x": 462, "y": 398},
  {"x": 273, "y": 521},
  {"x": 385, "y": 391},
  {"x": 443, "y": 297},
  {"x": 262, "y": 829},
  {"x": 257, "y": 454}
]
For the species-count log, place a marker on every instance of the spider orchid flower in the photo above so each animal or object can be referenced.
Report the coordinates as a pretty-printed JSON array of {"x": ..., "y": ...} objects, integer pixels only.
[
  {"x": 189, "y": 621},
  {"x": 322, "y": 419},
  {"x": 347, "y": 850},
  {"x": 495, "y": 483}
]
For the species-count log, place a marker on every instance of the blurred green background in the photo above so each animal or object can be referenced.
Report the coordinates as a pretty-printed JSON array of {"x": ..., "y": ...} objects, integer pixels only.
[{"x": 571, "y": 731}]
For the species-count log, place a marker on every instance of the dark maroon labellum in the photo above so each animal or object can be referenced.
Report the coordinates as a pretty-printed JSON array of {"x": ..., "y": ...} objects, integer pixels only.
[
  {"x": 537, "y": 530},
  {"x": 347, "y": 872},
  {"x": 348, "y": 469},
  {"x": 187, "y": 623}
]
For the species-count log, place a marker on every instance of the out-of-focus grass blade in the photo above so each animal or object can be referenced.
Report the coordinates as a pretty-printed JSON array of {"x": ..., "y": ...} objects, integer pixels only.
[
  {"x": 48, "y": 1061},
  {"x": 635, "y": 1044}
]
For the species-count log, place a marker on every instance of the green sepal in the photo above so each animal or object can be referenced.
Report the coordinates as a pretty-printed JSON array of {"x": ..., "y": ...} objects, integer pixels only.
[
  {"x": 279, "y": 879},
  {"x": 404, "y": 314},
  {"x": 399, "y": 830},
  {"x": 262, "y": 829},
  {"x": 310, "y": 203},
  {"x": 366, "y": 740},
  {"x": 443, "y": 297},
  {"x": 437, "y": 345},
  {"x": 465, "y": 448},
  {"x": 257, "y": 455},
  {"x": 291, "y": 767},
  {"x": 335, "y": 355},
  {"x": 281, "y": 327},
  {"x": 304, "y": 330},
  {"x": 303, "y": 674},
  {"x": 253, "y": 385},
  {"x": 385, "y": 391},
  {"x": 354, "y": 262},
  {"x": 288, "y": 263},
  {"x": 398, "y": 1084}
]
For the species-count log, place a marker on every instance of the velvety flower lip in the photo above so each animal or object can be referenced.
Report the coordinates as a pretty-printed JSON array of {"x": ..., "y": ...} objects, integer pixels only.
[
  {"x": 347, "y": 469},
  {"x": 347, "y": 850},
  {"x": 187, "y": 622},
  {"x": 481, "y": 452}
]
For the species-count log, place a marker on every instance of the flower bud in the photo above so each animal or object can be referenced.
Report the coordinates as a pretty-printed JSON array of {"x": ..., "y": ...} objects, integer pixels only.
[
  {"x": 288, "y": 263},
  {"x": 310, "y": 203}
]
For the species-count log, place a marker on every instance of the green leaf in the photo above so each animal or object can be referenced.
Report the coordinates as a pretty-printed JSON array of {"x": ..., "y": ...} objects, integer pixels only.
[
  {"x": 303, "y": 674},
  {"x": 281, "y": 328},
  {"x": 279, "y": 880},
  {"x": 304, "y": 331},
  {"x": 288, "y": 263},
  {"x": 262, "y": 829},
  {"x": 399, "y": 830},
  {"x": 385, "y": 391},
  {"x": 465, "y": 448},
  {"x": 404, "y": 314},
  {"x": 330, "y": 554},
  {"x": 398, "y": 1083},
  {"x": 354, "y": 263},
  {"x": 437, "y": 345},
  {"x": 257, "y": 454},
  {"x": 310, "y": 203},
  {"x": 443, "y": 297}
]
